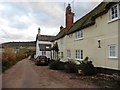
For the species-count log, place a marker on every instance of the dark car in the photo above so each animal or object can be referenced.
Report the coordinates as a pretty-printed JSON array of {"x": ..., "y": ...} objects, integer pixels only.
[{"x": 41, "y": 60}]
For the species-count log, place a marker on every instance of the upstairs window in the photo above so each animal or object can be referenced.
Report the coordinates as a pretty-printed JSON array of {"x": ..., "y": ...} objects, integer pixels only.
[
  {"x": 79, "y": 35},
  {"x": 115, "y": 12}
]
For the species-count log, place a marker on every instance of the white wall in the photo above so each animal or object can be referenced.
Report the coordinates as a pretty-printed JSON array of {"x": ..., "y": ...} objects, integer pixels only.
[{"x": 38, "y": 52}]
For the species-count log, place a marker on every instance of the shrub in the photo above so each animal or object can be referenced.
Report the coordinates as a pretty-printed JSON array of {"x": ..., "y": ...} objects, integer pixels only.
[
  {"x": 23, "y": 53},
  {"x": 71, "y": 67},
  {"x": 8, "y": 54},
  {"x": 9, "y": 57},
  {"x": 7, "y": 64},
  {"x": 87, "y": 68},
  {"x": 56, "y": 65},
  {"x": 51, "y": 60}
]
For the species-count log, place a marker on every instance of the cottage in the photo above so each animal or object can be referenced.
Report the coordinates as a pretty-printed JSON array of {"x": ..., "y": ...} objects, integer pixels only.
[
  {"x": 95, "y": 35},
  {"x": 43, "y": 45}
]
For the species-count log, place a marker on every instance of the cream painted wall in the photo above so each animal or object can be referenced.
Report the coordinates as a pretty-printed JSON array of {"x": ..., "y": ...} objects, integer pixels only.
[
  {"x": 119, "y": 44},
  {"x": 104, "y": 30},
  {"x": 62, "y": 48}
]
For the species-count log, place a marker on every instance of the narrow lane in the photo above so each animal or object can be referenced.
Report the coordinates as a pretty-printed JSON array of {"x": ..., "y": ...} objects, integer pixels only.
[
  {"x": 22, "y": 75},
  {"x": 25, "y": 74},
  {"x": 0, "y": 81}
]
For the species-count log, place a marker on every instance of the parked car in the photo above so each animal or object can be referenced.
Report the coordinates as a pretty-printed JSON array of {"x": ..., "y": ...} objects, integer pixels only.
[{"x": 41, "y": 60}]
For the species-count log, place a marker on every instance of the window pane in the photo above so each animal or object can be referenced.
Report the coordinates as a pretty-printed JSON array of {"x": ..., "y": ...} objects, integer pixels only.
[
  {"x": 81, "y": 54},
  {"x": 114, "y": 12},
  {"x": 112, "y": 50},
  {"x": 76, "y": 53},
  {"x": 81, "y": 34},
  {"x": 119, "y": 10}
]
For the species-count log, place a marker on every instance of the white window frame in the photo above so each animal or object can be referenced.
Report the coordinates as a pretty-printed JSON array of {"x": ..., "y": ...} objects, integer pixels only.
[
  {"x": 115, "y": 51},
  {"x": 79, "y": 35},
  {"x": 79, "y": 54},
  {"x": 118, "y": 12},
  {"x": 68, "y": 53}
]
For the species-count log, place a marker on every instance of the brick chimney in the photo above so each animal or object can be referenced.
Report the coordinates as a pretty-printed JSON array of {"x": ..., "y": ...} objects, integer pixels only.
[{"x": 69, "y": 17}]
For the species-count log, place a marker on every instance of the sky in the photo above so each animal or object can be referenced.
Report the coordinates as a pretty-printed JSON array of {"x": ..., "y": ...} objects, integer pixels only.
[{"x": 20, "y": 19}]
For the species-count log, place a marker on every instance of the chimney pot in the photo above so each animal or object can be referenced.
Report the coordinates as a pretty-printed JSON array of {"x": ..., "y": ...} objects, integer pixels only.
[
  {"x": 38, "y": 30},
  {"x": 61, "y": 27}
]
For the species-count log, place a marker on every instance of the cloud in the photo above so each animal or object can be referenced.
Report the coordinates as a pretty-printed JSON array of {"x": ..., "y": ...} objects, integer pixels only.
[
  {"x": 47, "y": 11},
  {"x": 82, "y": 8},
  {"x": 20, "y": 20}
]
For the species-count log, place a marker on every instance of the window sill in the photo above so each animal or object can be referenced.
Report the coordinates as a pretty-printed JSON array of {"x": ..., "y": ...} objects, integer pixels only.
[
  {"x": 112, "y": 57},
  {"x": 79, "y": 59},
  {"x": 113, "y": 20},
  {"x": 68, "y": 57},
  {"x": 78, "y": 39}
]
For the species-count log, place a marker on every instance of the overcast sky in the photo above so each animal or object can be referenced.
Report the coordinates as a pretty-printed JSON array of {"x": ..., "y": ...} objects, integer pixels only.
[{"x": 19, "y": 21}]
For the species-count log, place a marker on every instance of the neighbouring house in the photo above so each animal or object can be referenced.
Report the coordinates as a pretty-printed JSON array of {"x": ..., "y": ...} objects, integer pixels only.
[
  {"x": 43, "y": 45},
  {"x": 18, "y": 45},
  {"x": 95, "y": 35}
]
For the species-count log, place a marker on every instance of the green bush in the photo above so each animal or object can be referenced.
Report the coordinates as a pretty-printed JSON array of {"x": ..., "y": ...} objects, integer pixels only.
[
  {"x": 56, "y": 65},
  {"x": 49, "y": 61},
  {"x": 71, "y": 67}
]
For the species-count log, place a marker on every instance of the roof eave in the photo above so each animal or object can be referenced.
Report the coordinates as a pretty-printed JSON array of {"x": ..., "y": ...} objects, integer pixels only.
[{"x": 90, "y": 24}]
